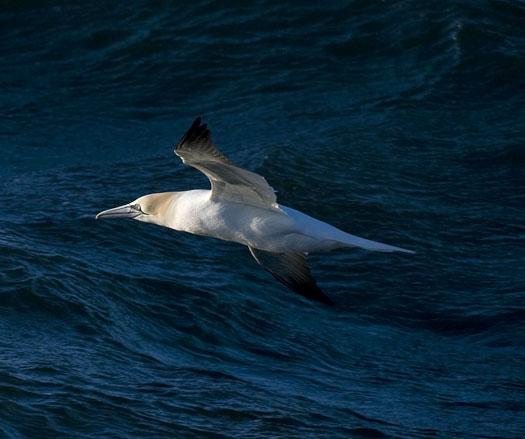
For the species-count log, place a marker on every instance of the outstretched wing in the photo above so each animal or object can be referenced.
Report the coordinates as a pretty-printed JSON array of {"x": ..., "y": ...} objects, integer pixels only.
[
  {"x": 228, "y": 182},
  {"x": 292, "y": 270}
]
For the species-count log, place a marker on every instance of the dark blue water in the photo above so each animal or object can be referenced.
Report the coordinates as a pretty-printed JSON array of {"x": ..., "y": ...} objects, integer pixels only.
[{"x": 402, "y": 122}]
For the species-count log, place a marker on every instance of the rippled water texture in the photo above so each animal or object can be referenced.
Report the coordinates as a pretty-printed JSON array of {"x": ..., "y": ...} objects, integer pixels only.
[{"x": 398, "y": 121}]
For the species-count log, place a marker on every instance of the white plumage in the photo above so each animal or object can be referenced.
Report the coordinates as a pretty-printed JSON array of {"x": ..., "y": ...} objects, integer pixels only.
[{"x": 242, "y": 207}]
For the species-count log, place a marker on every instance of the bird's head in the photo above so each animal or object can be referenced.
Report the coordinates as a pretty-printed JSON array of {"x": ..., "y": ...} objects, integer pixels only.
[{"x": 150, "y": 208}]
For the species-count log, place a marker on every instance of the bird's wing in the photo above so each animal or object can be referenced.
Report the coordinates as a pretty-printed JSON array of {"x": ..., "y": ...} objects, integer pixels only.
[
  {"x": 228, "y": 182},
  {"x": 292, "y": 270}
]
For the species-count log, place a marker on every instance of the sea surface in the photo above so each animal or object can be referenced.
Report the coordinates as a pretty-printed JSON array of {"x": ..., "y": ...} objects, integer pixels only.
[{"x": 399, "y": 121}]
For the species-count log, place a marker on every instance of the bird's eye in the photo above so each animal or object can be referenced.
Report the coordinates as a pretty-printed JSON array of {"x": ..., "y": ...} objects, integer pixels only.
[{"x": 136, "y": 207}]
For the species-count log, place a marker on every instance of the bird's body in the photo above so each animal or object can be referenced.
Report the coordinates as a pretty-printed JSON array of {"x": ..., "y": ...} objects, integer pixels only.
[
  {"x": 242, "y": 207},
  {"x": 277, "y": 230}
]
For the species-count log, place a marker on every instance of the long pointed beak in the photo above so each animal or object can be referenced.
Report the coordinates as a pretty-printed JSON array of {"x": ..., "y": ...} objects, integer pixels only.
[{"x": 125, "y": 211}]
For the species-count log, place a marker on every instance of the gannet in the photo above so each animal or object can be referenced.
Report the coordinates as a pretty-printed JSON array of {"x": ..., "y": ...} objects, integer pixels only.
[{"x": 242, "y": 207}]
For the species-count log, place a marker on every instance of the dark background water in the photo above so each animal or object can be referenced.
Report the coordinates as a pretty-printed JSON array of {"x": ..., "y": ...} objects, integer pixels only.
[{"x": 397, "y": 121}]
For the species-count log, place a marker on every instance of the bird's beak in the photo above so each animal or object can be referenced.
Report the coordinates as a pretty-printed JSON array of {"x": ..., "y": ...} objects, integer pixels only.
[{"x": 125, "y": 211}]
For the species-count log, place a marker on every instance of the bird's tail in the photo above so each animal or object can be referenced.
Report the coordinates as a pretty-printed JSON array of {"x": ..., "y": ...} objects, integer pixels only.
[{"x": 355, "y": 241}]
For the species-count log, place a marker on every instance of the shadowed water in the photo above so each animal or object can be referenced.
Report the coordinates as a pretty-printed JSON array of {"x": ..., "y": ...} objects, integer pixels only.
[{"x": 401, "y": 122}]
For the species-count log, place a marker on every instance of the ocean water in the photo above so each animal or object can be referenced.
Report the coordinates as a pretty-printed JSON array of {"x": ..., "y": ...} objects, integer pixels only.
[{"x": 399, "y": 121}]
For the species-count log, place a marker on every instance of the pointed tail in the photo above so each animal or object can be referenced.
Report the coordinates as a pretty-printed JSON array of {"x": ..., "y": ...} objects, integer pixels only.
[{"x": 356, "y": 241}]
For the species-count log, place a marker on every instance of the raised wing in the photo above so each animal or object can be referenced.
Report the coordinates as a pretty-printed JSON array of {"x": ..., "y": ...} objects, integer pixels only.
[
  {"x": 228, "y": 182},
  {"x": 292, "y": 270}
]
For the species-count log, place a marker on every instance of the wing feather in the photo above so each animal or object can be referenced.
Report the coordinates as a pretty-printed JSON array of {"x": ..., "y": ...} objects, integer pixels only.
[
  {"x": 228, "y": 182},
  {"x": 291, "y": 269}
]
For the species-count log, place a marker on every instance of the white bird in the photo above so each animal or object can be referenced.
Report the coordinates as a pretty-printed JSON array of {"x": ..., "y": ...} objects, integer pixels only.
[{"x": 242, "y": 207}]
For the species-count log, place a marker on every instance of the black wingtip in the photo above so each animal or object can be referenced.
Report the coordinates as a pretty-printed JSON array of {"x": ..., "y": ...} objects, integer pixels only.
[
  {"x": 313, "y": 292},
  {"x": 197, "y": 131},
  {"x": 327, "y": 301},
  {"x": 197, "y": 126},
  {"x": 196, "y": 122},
  {"x": 309, "y": 290}
]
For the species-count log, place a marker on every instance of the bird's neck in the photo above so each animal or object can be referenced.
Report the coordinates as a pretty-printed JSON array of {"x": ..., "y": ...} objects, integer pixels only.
[{"x": 184, "y": 210}]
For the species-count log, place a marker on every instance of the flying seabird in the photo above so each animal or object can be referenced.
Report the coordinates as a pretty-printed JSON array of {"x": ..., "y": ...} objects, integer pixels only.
[{"x": 242, "y": 207}]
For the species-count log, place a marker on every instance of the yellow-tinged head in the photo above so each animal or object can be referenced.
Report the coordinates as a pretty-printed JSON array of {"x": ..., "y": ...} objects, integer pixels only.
[{"x": 152, "y": 208}]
